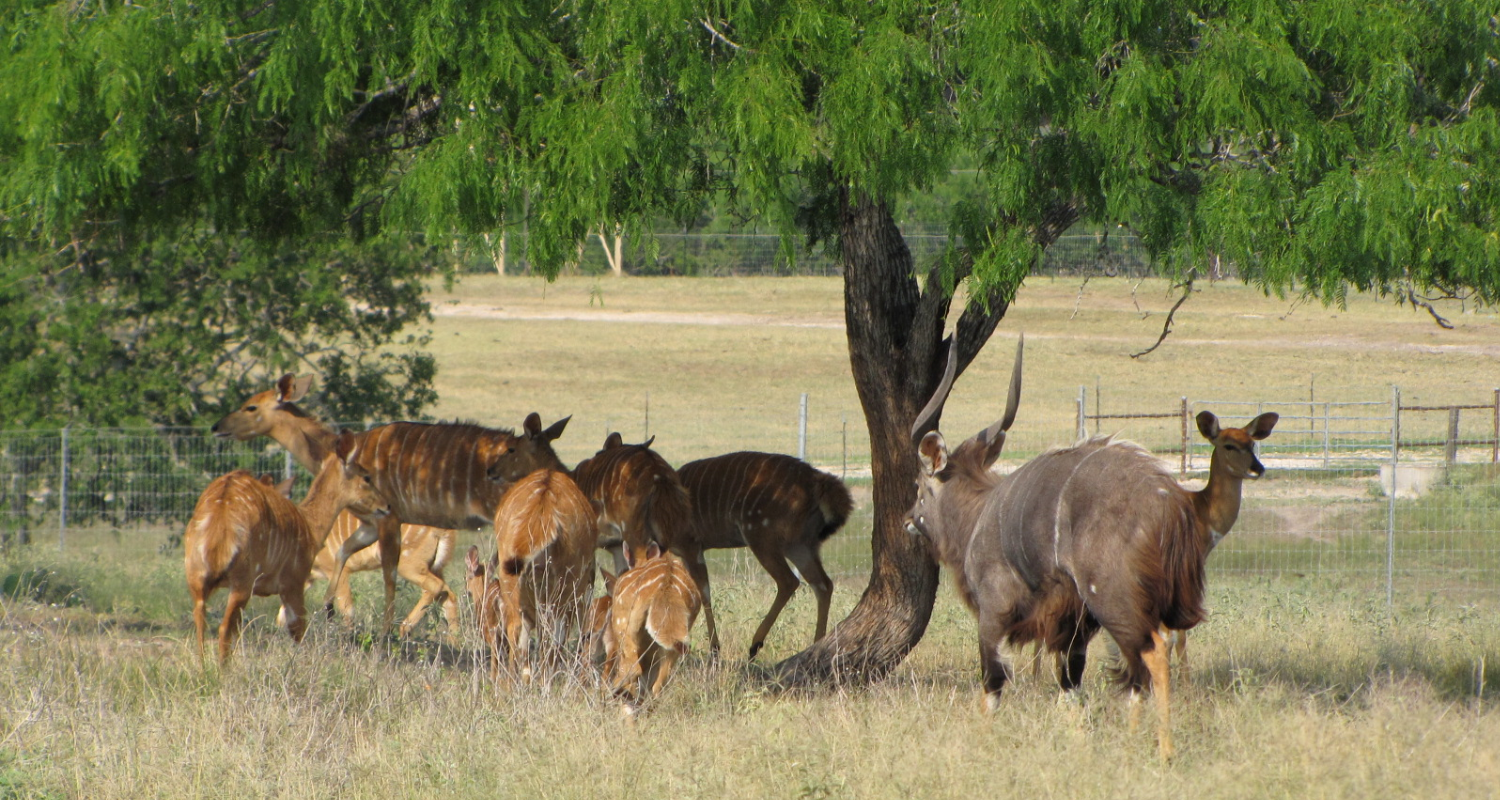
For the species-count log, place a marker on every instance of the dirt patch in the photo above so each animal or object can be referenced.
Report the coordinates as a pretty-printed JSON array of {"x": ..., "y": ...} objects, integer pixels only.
[
  {"x": 1325, "y": 342},
  {"x": 1304, "y": 522},
  {"x": 638, "y": 317}
]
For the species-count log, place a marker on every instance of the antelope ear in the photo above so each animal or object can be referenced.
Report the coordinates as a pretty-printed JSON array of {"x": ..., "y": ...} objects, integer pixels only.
[
  {"x": 613, "y": 440},
  {"x": 556, "y": 429},
  {"x": 1208, "y": 425},
  {"x": 533, "y": 424},
  {"x": 1260, "y": 427},
  {"x": 471, "y": 561},
  {"x": 653, "y": 550},
  {"x": 993, "y": 447},
  {"x": 290, "y": 389},
  {"x": 933, "y": 452},
  {"x": 609, "y": 580},
  {"x": 346, "y": 447},
  {"x": 285, "y": 488}
]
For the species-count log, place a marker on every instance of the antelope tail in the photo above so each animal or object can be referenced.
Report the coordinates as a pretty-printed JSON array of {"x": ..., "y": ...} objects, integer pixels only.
[
  {"x": 667, "y": 622},
  {"x": 538, "y": 533},
  {"x": 835, "y": 503},
  {"x": 444, "y": 551},
  {"x": 663, "y": 513}
]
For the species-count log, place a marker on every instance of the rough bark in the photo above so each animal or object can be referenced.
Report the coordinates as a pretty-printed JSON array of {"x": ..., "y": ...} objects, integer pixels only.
[{"x": 896, "y": 349}]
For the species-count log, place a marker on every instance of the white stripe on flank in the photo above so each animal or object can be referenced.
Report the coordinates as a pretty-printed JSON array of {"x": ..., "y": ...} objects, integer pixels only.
[{"x": 1057, "y": 512}]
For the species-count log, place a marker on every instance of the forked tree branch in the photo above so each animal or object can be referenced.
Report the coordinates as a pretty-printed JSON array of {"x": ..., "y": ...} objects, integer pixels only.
[
  {"x": 1419, "y": 301},
  {"x": 721, "y": 37},
  {"x": 1166, "y": 328},
  {"x": 1078, "y": 301}
]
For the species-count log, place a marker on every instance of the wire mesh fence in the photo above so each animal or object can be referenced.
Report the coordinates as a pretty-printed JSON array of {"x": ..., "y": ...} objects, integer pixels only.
[
  {"x": 1375, "y": 494},
  {"x": 744, "y": 253},
  {"x": 1392, "y": 498}
]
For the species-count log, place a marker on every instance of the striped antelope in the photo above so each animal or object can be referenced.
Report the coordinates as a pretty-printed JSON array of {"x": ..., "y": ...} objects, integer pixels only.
[
  {"x": 1092, "y": 536},
  {"x": 1216, "y": 506},
  {"x": 640, "y": 500},
  {"x": 246, "y": 536},
  {"x": 433, "y": 474},
  {"x": 274, "y": 413},
  {"x": 599, "y": 642},
  {"x": 779, "y": 507},
  {"x": 424, "y": 555},
  {"x": 655, "y": 604},
  {"x": 546, "y": 531},
  {"x": 484, "y": 591}
]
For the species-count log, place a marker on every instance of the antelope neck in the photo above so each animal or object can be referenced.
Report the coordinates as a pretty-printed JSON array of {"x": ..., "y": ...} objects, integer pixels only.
[
  {"x": 1218, "y": 502},
  {"x": 317, "y": 510},
  {"x": 308, "y": 441}
]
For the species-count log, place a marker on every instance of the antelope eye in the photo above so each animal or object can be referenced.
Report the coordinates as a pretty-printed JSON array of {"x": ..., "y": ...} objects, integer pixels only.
[{"x": 250, "y": 408}]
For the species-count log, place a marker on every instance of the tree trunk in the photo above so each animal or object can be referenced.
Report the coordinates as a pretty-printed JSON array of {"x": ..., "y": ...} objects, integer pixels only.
[
  {"x": 897, "y": 353},
  {"x": 894, "y": 347}
]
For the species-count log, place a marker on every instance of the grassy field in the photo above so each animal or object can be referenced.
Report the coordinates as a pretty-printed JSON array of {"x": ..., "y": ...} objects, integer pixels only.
[
  {"x": 711, "y": 365},
  {"x": 1305, "y": 684}
]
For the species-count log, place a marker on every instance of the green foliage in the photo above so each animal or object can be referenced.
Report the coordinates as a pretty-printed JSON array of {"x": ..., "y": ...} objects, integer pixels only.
[
  {"x": 178, "y": 331},
  {"x": 39, "y": 586},
  {"x": 17, "y": 782},
  {"x": 1318, "y": 146}
]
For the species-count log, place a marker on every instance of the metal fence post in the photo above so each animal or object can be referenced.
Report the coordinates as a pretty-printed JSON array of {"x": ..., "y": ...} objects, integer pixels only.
[
  {"x": 1186, "y": 439},
  {"x": 1325, "y": 434},
  {"x": 1450, "y": 449},
  {"x": 1083, "y": 429},
  {"x": 646, "y": 434},
  {"x": 62, "y": 496},
  {"x": 844, "y": 422},
  {"x": 1390, "y": 513},
  {"x": 802, "y": 429},
  {"x": 286, "y": 471}
]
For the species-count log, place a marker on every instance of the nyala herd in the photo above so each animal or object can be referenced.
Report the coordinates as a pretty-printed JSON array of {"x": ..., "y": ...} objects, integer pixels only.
[
  {"x": 405, "y": 487},
  {"x": 1096, "y": 536}
]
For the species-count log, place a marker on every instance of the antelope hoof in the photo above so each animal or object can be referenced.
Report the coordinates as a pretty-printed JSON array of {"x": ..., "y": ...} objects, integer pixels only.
[
  {"x": 754, "y": 648},
  {"x": 329, "y": 612}
]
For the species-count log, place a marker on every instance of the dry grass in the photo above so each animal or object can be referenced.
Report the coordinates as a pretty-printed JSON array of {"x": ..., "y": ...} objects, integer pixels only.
[{"x": 1298, "y": 691}]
